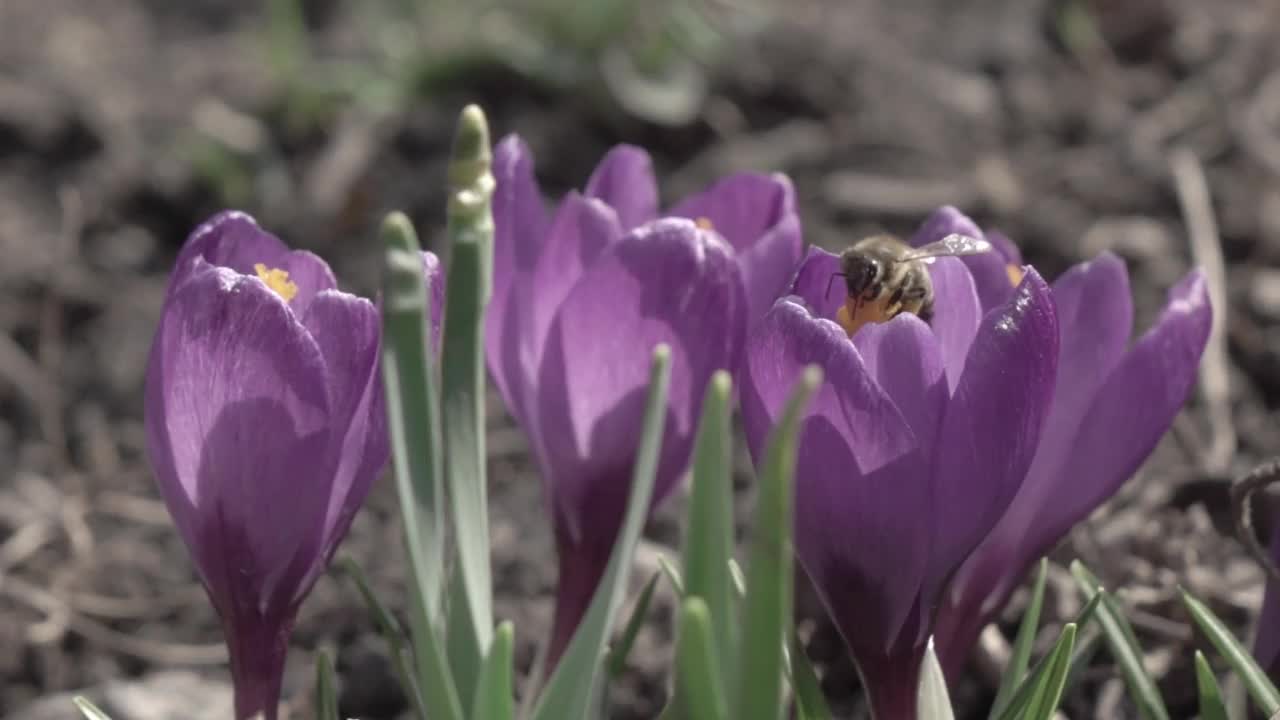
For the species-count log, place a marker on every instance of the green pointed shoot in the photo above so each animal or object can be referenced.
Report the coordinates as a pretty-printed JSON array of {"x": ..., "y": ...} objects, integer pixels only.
[
  {"x": 326, "y": 695},
  {"x": 1124, "y": 646},
  {"x": 1260, "y": 688},
  {"x": 1017, "y": 667},
  {"x": 462, "y": 390},
  {"x": 570, "y": 692},
  {"x": 619, "y": 652},
  {"x": 767, "y": 610},
  {"x": 932, "y": 700},
  {"x": 414, "y": 427},
  {"x": 494, "y": 697},
  {"x": 391, "y": 632},
  {"x": 1088, "y": 643},
  {"x": 709, "y": 540},
  {"x": 1025, "y": 692},
  {"x": 1212, "y": 706},
  {"x": 1038, "y": 697},
  {"x": 811, "y": 704},
  {"x": 672, "y": 574},
  {"x": 88, "y": 709},
  {"x": 699, "y": 691}
]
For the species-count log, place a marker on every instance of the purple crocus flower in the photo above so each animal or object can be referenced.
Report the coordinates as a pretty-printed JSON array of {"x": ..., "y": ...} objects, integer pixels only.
[
  {"x": 1112, "y": 403},
  {"x": 581, "y": 298},
  {"x": 265, "y": 427},
  {"x": 909, "y": 453}
]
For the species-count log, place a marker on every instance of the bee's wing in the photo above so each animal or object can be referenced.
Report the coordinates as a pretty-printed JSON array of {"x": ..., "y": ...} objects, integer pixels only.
[{"x": 953, "y": 244}]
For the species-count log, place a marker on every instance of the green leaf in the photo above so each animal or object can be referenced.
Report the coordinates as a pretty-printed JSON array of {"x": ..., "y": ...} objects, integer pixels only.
[
  {"x": 326, "y": 695},
  {"x": 1212, "y": 706},
  {"x": 811, "y": 703},
  {"x": 494, "y": 696},
  {"x": 1043, "y": 689},
  {"x": 672, "y": 575},
  {"x": 767, "y": 610},
  {"x": 709, "y": 540},
  {"x": 391, "y": 632},
  {"x": 1124, "y": 646},
  {"x": 1088, "y": 642},
  {"x": 414, "y": 427},
  {"x": 933, "y": 701},
  {"x": 568, "y": 694},
  {"x": 470, "y": 226},
  {"x": 619, "y": 652},
  {"x": 1017, "y": 667},
  {"x": 88, "y": 709},
  {"x": 699, "y": 692},
  {"x": 1255, "y": 680}
]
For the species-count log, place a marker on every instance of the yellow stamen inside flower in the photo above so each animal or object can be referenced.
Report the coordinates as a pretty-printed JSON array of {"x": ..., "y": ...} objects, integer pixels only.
[
  {"x": 278, "y": 280},
  {"x": 1015, "y": 274},
  {"x": 857, "y": 312},
  {"x": 704, "y": 223}
]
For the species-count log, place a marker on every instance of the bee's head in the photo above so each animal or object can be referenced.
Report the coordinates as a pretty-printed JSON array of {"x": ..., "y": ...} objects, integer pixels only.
[{"x": 860, "y": 272}]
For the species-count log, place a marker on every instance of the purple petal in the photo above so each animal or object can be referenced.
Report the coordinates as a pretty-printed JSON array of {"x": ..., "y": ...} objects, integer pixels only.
[
  {"x": 1129, "y": 414},
  {"x": 742, "y": 207},
  {"x": 519, "y": 222},
  {"x": 992, "y": 424},
  {"x": 233, "y": 239},
  {"x": 665, "y": 282},
  {"x": 815, "y": 285},
  {"x": 956, "y": 314},
  {"x": 347, "y": 330},
  {"x": 238, "y": 433},
  {"x": 861, "y": 483},
  {"x": 990, "y": 275},
  {"x": 903, "y": 357},
  {"x": 624, "y": 179},
  {"x": 756, "y": 214},
  {"x": 582, "y": 228},
  {"x": 1009, "y": 252}
]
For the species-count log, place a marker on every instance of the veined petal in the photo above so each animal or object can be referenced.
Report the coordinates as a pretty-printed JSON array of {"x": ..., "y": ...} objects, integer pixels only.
[
  {"x": 519, "y": 222},
  {"x": 756, "y": 213},
  {"x": 664, "y": 282},
  {"x": 992, "y": 424},
  {"x": 861, "y": 483},
  {"x": 904, "y": 358},
  {"x": 956, "y": 314},
  {"x": 234, "y": 240},
  {"x": 624, "y": 179},
  {"x": 989, "y": 270},
  {"x": 741, "y": 207},
  {"x": 1129, "y": 414},
  {"x": 237, "y": 425},
  {"x": 817, "y": 283},
  {"x": 582, "y": 228},
  {"x": 346, "y": 329},
  {"x": 1266, "y": 647}
]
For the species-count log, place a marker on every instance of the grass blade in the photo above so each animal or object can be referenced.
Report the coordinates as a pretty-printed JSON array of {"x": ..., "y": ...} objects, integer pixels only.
[
  {"x": 326, "y": 695},
  {"x": 391, "y": 632},
  {"x": 709, "y": 541},
  {"x": 812, "y": 704},
  {"x": 767, "y": 610},
  {"x": 1264, "y": 693},
  {"x": 619, "y": 652},
  {"x": 933, "y": 700},
  {"x": 1017, "y": 667},
  {"x": 1212, "y": 706},
  {"x": 569, "y": 692},
  {"x": 88, "y": 709},
  {"x": 414, "y": 428},
  {"x": 462, "y": 388},
  {"x": 699, "y": 691},
  {"x": 1048, "y": 688},
  {"x": 1088, "y": 643},
  {"x": 1124, "y": 646},
  {"x": 672, "y": 575},
  {"x": 494, "y": 697}
]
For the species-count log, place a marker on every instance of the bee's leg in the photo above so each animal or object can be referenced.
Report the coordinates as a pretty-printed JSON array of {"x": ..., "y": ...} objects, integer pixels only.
[{"x": 913, "y": 300}]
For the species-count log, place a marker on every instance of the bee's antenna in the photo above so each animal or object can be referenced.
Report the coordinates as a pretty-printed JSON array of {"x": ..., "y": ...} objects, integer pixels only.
[{"x": 831, "y": 280}]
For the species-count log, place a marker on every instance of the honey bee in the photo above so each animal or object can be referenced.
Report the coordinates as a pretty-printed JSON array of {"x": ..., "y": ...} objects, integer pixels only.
[{"x": 884, "y": 276}]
